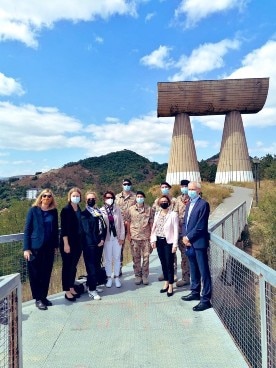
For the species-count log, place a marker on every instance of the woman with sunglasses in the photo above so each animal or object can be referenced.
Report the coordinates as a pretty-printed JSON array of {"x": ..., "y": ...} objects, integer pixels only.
[
  {"x": 40, "y": 241},
  {"x": 114, "y": 238},
  {"x": 164, "y": 237},
  {"x": 70, "y": 242}
]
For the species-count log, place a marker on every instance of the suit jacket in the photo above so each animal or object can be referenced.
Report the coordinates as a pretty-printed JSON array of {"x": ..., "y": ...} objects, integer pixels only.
[
  {"x": 170, "y": 228},
  {"x": 34, "y": 229},
  {"x": 197, "y": 228},
  {"x": 70, "y": 227}
]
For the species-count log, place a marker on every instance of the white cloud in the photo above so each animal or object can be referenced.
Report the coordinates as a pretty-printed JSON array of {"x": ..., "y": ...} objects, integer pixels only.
[
  {"x": 158, "y": 58},
  {"x": 147, "y": 135},
  {"x": 260, "y": 63},
  {"x": 99, "y": 39},
  {"x": 28, "y": 127},
  {"x": 205, "y": 58},
  {"x": 149, "y": 16},
  {"x": 23, "y": 20},
  {"x": 195, "y": 10},
  {"x": 9, "y": 86}
]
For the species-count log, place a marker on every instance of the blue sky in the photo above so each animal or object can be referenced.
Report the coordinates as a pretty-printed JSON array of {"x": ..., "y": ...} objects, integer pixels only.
[{"x": 79, "y": 78}]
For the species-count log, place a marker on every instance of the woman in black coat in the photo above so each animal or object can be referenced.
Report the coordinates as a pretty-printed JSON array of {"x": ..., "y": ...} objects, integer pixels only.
[
  {"x": 40, "y": 241},
  {"x": 94, "y": 230},
  {"x": 71, "y": 242}
]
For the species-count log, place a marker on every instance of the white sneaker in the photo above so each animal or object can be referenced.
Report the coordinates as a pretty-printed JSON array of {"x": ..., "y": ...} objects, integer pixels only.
[
  {"x": 117, "y": 282},
  {"x": 94, "y": 295},
  {"x": 109, "y": 282},
  {"x": 99, "y": 290}
]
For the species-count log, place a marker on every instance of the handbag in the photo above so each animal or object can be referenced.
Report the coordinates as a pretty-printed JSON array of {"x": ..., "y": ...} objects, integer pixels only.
[{"x": 101, "y": 276}]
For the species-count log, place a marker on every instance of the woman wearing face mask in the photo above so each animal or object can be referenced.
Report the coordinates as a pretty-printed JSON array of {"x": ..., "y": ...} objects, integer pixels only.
[
  {"x": 114, "y": 238},
  {"x": 164, "y": 237},
  {"x": 94, "y": 229},
  {"x": 70, "y": 242}
]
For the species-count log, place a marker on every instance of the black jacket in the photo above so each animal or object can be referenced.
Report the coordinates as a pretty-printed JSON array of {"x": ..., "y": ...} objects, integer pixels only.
[
  {"x": 91, "y": 229},
  {"x": 70, "y": 227}
]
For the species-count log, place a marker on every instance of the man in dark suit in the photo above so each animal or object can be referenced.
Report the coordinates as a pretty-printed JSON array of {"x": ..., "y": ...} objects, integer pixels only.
[{"x": 196, "y": 240}]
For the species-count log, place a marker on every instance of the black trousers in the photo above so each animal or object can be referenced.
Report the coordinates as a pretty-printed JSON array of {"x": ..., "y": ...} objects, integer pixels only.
[
  {"x": 69, "y": 265},
  {"x": 40, "y": 269},
  {"x": 166, "y": 257},
  {"x": 92, "y": 255}
]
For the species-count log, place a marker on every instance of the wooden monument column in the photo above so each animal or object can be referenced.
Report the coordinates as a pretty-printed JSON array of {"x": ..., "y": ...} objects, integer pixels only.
[{"x": 230, "y": 97}]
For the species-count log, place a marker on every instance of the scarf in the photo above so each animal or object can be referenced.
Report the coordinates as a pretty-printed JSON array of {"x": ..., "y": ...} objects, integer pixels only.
[
  {"x": 95, "y": 212},
  {"x": 110, "y": 216}
]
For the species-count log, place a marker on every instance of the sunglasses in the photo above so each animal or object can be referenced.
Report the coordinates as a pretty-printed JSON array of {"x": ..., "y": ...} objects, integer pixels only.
[
  {"x": 108, "y": 197},
  {"x": 46, "y": 196}
]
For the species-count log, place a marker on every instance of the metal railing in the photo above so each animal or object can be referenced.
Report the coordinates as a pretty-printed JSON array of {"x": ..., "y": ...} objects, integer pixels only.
[
  {"x": 12, "y": 261},
  {"x": 10, "y": 322},
  {"x": 244, "y": 292}
]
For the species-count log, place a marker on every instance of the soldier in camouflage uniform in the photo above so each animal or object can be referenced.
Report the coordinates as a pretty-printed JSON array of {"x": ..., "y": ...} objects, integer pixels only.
[
  {"x": 181, "y": 202},
  {"x": 139, "y": 222},
  {"x": 124, "y": 200}
]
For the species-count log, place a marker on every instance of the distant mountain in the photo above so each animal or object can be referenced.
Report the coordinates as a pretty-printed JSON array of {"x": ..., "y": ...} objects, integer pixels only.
[{"x": 100, "y": 173}]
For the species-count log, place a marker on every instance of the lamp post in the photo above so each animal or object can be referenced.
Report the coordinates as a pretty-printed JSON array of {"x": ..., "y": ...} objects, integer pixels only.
[{"x": 256, "y": 163}]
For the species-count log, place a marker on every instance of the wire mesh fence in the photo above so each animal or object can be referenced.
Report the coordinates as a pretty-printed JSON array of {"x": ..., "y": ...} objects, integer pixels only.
[
  {"x": 10, "y": 322},
  {"x": 12, "y": 261},
  {"x": 243, "y": 294}
]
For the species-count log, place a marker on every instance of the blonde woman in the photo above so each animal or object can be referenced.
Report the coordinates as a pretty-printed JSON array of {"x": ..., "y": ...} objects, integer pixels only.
[
  {"x": 40, "y": 241},
  {"x": 70, "y": 242}
]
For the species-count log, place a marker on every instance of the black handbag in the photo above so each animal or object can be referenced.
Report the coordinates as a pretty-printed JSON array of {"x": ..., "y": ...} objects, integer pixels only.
[{"x": 101, "y": 276}]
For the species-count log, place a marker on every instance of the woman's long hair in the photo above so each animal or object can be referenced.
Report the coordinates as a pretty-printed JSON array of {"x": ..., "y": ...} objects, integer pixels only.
[{"x": 37, "y": 202}]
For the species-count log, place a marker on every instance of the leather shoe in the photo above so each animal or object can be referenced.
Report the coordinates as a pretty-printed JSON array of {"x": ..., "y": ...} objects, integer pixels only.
[
  {"x": 169, "y": 294},
  {"x": 73, "y": 299},
  {"x": 190, "y": 297},
  {"x": 76, "y": 295},
  {"x": 202, "y": 306},
  {"x": 164, "y": 290},
  {"x": 47, "y": 302},
  {"x": 40, "y": 305}
]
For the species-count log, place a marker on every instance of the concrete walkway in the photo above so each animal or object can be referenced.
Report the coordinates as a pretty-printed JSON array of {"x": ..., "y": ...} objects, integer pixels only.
[{"x": 131, "y": 327}]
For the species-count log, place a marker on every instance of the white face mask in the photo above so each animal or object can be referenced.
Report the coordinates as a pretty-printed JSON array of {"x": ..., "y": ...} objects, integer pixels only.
[
  {"x": 109, "y": 201},
  {"x": 75, "y": 200}
]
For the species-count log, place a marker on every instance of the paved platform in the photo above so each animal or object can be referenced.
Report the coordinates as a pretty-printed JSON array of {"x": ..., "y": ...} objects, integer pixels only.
[{"x": 131, "y": 327}]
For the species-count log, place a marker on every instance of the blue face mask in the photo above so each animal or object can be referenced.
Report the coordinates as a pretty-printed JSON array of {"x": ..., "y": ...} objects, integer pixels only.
[
  {"x": 75, "y": 200},
  {"x": 184, "y": 190},
  {"x": 140, "y": 200},
  {"x": 127, "y": 188},
  {"x": 165, "y": 191},
  {"x": 192, "y": 194}
]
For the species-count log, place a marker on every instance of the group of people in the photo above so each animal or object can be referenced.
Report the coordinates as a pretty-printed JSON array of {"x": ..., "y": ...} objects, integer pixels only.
[{"x": 100, "y": 233}]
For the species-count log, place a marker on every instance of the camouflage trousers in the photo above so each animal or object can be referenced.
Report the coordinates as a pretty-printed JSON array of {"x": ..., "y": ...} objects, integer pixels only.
[
  {"x": 185, "y": 267},
  {"x": 140, "y": 250}
]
